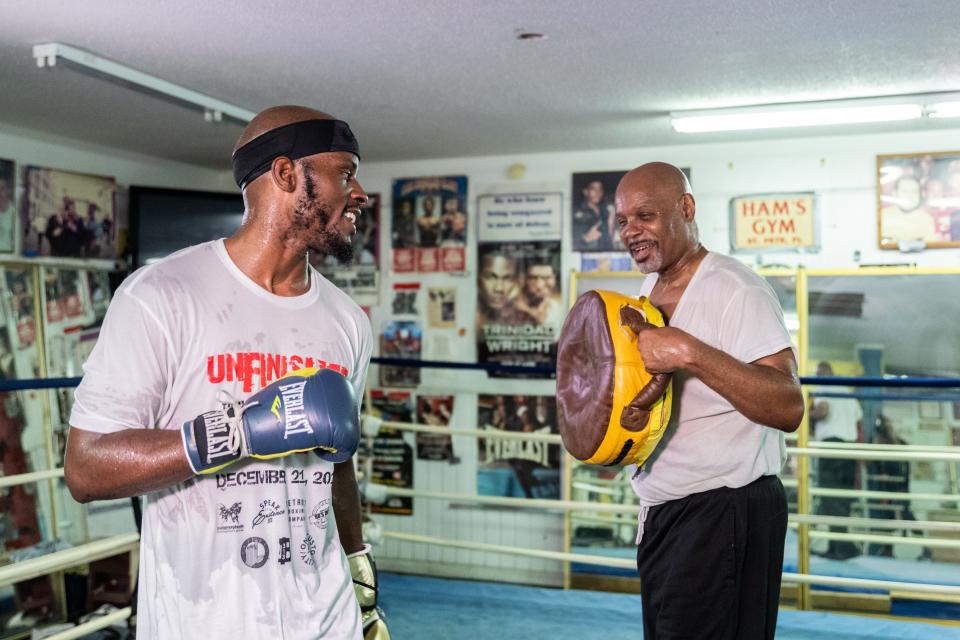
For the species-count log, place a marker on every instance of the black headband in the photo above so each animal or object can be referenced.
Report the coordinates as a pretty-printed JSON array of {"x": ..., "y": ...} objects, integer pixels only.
[{"x": 296, "y": 140}]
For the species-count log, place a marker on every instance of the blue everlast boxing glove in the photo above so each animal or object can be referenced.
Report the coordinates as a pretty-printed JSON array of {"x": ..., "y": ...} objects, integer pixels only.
[{"x": 308, "y": 409}]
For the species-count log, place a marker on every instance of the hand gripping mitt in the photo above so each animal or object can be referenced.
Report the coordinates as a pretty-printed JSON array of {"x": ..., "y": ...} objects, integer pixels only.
[{"x": 611, "y": 410}]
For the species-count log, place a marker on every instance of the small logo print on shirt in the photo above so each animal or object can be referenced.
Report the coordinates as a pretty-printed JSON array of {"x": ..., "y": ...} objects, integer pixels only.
[
  {"x": 318, "y": 517},
  {"x": 308, "y": 550},
  {"x": 284, "y": 556},
  {"x": 254, "y": 552},
  {"x": 296, "y": 511},
  {"x": 229, "y": 518},
  {"x": 268, "y": 511}
]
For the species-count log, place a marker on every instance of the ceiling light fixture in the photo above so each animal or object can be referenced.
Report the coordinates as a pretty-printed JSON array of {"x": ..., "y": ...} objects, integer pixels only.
[
  {"x": 816, "y": 114},
  {"x": 214, "y": 110},
  {"x": 944, "y": 109}
]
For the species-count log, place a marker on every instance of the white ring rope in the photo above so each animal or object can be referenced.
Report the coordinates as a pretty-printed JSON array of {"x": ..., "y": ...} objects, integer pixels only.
[
  {"x": 377, "y": 493},
  {"x": 27, "y": 478},
  {"x": 95, "y": 624},
  {"x": 622, "y": 563},
  {"x": 373, "y": 424}
]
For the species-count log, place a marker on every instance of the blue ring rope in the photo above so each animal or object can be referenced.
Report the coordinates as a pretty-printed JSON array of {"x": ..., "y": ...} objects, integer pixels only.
[{"x": 828, "y": 381}]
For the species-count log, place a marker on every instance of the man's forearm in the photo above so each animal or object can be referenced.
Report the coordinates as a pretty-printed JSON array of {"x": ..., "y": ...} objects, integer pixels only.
[
  {"x": 123, "y": 464},
  {"x": 346, "y": 507},
  {"x": 762, "y": 392}
]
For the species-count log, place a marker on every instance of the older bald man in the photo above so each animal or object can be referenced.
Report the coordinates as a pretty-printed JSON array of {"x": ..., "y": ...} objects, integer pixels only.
[{"x": 713, "y": 512}]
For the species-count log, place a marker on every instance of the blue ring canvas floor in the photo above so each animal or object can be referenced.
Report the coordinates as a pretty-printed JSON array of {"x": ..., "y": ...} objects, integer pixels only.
[{"x": 420, "y": 608}]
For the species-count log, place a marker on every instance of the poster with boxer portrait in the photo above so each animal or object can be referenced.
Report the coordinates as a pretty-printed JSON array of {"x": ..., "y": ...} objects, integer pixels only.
[
  {"x": 519, "y": 309},
  {"x": 401, "y": 339},
  {"x": 441, "y": 307},
  {"x": 429, "y": 224},
  {"x": 361, "y": 274},
  {"x": 594, "y": 224},
  {"x": 66, "y": 297},
  {"x": 19, "y": 285},
  {"x": 434, "y": 411},
  {"x": 68, "y": 214},
  {"x": 391, "y": 461},
  {"x": 8, "y": 205},
  {"x": 518, "y": 468}
]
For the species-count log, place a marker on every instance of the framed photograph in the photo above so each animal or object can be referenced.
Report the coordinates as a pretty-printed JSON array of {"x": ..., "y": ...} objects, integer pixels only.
[
  {"x": 68, "y": 214},
  {"x": 918, "y": 200},
  {"x": 8, "y": 205},
  {"x": 594, "y": 224}
]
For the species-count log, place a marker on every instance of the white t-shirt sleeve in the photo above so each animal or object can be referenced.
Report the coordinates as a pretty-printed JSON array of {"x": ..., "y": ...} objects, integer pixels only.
[
  {"x": 125, "y": 379},
  {"x": 751, "y": 326},
  {"x": 358, "y": 376}
]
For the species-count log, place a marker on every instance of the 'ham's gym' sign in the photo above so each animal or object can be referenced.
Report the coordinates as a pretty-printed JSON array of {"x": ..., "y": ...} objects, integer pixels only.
[{"x": 774, "y": 222}]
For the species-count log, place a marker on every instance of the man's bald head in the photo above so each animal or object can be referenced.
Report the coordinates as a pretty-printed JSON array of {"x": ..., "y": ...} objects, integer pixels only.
[
  {"x": 660, "y": 177},
  {"x": 656, "y": 215},
  {"x": 276, "y": 117}
]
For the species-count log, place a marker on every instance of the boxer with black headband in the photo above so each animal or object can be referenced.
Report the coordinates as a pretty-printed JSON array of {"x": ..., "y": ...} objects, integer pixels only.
[
  {"x": 294, "y": 141},
  {"x": 193, "y": 334}
]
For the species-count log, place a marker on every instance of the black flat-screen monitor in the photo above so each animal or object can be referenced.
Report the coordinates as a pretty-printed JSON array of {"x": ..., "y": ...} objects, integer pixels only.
[{"x": 166, "y": 220}]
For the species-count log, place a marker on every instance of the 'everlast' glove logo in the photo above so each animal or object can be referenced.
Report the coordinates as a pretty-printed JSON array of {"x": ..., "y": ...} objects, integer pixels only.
[
  {"x": 295, "y": 421},
  {"x": 218, "y": 435}
]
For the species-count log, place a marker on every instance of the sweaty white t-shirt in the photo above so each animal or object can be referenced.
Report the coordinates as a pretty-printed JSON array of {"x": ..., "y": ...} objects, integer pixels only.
[
  {"x": 251, "y": 551},
  {"x": 708, "y": 444}
]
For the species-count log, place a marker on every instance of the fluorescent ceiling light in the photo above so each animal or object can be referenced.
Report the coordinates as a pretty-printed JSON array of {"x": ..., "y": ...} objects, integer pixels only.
[
  {"x": 944, "y": 110},
  {"x": 791, "y": 116},
  {"x": 214, "y": 110}
]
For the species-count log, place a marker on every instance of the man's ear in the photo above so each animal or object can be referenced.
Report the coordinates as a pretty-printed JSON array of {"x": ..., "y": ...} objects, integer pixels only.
[
  {"x": 283, "y": 172},
  {"x": 689, "y": 206}
]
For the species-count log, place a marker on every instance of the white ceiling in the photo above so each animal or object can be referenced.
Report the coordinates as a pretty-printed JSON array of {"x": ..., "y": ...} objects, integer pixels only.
[{"x": 437, "y": 78}]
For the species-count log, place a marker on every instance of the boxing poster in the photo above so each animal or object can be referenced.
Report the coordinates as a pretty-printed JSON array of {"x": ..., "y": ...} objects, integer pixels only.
[
  {"x": 434, "y": 411},
  {"x": 391, "y": 460},
  {"x": 19, "y": 284},
  {"x": 594, "y": 215},
  {"x": 441, "y": 307},
  {"x": 405, "y": 297},
  {"x": 429, "y": 224},
  {"x": 66, "y": 299},
  {"x": 518, "y": 468},
  {"x": 361, "y": 274},
  {"x": 519, "y": 216},
  {"x": 68, "y": 214},
  {"x": 401, "y": 339},
  {"x": 519, "y": 309},
  {"x": 99, "y": 284},
  {"x": 8, "y": 205}
]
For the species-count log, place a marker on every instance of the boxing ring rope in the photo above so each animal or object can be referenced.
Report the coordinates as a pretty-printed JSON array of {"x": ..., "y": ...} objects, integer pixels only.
[
  {"x": 100, "y": 622},
  {"x": 378, "y": 493},
  {"x": 620, "y": 563},
  {"x": 106, "y": 547},
  {"x": 60, "y": 560},
  {"x": 372, "y": 425},
  {"x": 615, "y": 512},
  {"x": 33, "y": 476},
  {"x": 795, "y": 520}
]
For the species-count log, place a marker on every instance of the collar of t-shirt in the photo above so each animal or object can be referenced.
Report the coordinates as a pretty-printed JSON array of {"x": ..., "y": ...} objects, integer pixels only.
[{"x": 287, "y": 302}]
